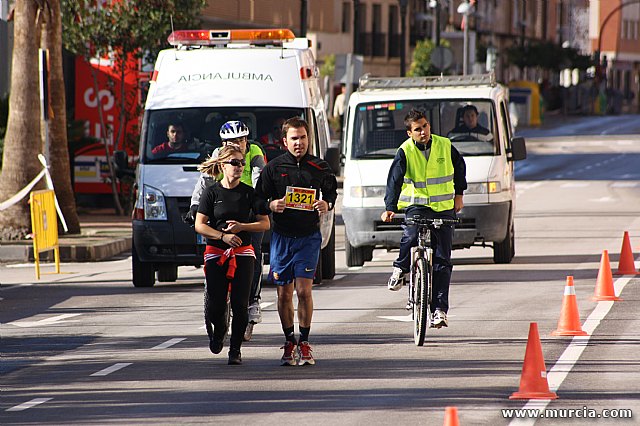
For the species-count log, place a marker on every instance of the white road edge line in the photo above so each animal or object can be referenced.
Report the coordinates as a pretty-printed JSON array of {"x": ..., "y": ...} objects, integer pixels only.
[
  {"x": 46, "y": 321},
  {"x": 571, "y": 355},
  {"x": 169, "y": 343},
  {"x": 28, "y": 404},
  {"x": 114, "y": 367}
]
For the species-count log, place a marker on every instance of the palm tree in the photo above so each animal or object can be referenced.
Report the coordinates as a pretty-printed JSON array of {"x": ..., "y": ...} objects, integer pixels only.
[
  {"x": 59, "y": 149},
  {"x": 22, "y": 140}
]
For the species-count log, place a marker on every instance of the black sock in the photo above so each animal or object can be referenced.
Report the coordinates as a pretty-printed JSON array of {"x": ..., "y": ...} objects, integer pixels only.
[
  {"x": 289, "y": 334},
  {"x": 304, "y": 334}
]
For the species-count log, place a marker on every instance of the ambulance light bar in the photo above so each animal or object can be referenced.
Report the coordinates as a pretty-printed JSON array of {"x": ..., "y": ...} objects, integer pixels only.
[{"x": 217, "y": 37}]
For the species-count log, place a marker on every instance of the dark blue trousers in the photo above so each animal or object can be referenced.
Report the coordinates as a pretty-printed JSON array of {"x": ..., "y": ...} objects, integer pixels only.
[{"x": 441, "y": 241}]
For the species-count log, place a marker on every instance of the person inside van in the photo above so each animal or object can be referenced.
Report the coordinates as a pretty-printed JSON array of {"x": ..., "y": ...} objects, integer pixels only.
[
  {"x": 176, "y": 140},
  {"x": 236, "y": 133},
  {"x": 470, "y": 129},
  {"x": 273, "y": 139},
  {"x": 427, "y": 178}
]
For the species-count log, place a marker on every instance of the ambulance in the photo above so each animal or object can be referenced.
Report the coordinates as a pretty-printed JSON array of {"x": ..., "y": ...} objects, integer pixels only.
[
  {"x": 374, "y": 131},
  {"x": 208, "y": 78}
]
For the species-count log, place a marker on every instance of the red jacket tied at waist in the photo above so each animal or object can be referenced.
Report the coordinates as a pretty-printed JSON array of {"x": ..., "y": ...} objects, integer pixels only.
[{"x": 212, "y": 252}]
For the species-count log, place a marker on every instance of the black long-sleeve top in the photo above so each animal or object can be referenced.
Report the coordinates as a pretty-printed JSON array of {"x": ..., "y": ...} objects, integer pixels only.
[
  {"x": 399, "y": 168},
  {"x": 309, "y": 172}
]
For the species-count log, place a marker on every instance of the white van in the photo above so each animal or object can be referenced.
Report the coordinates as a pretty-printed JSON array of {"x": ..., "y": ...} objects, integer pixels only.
[
  {"x": 208, "y": 78},
  {"x": 374, "y": 131}
]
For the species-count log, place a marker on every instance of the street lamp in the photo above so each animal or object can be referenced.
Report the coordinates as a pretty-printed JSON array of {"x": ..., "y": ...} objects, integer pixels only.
[
  {"x": 435, "y": 4},
  {"x": 403, "y": 34},
  {"x": 465, "y": 9}
]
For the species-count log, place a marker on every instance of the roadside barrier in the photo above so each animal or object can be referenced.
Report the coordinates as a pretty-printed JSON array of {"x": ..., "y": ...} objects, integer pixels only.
[
  {"x": 44, "y": 226},
  {"x": 451, "y": 416},
  {"x": 24, "y": 191},
  {"x": 533, "y": 381},
  {"x": 604, "y": 283},
  {"x": 626, "y": 263},
  {"x": 569, "y": 322}
]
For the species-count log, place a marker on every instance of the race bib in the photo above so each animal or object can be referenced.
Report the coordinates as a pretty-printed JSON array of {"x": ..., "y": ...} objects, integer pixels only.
[{"x": 300, "y": 198}]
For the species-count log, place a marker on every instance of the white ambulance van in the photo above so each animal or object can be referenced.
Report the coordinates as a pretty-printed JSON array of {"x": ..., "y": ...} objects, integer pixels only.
[
  {"x": 374, "y": 131},
  {"x": 208, "y": 78}
]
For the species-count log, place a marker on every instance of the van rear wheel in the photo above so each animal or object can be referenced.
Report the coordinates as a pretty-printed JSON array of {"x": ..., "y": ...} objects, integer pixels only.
[
  {"x": 328, "y": 257},
  {"x": 167, "y": 272},
  {"x": 504, "y": 251}
]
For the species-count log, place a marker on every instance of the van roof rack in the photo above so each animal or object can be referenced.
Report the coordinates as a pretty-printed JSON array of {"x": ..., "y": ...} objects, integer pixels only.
[{"x": 371, "y": 83}]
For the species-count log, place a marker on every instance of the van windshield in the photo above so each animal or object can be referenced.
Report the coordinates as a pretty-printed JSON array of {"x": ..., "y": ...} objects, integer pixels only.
[
  {"x": 189, "y": 135},
  {"x": 470, "y": 124}
]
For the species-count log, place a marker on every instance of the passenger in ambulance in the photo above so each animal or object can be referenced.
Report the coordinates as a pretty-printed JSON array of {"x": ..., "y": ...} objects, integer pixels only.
[
  {"x": 176, "y": 140},
  {"x": 272, "y": 142},
  {"x": 470, "y": 129}
]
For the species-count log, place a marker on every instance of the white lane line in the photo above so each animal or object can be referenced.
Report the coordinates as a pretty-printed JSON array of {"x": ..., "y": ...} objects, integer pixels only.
[
  {"x": 114, "y": 367},
  {"x": 29, "y": 404},
  {"x": 169, "y": 343},
  {"x": 266, "y": 304},
  {"x": 624, "y": 184},
  {"x": 575, "y": 185},
  {"x": 406, "y": 318},
  {"x": 46, "y": 321},
  {"x": 338, "y": 277},
  {"x": 571, "y": 354}
]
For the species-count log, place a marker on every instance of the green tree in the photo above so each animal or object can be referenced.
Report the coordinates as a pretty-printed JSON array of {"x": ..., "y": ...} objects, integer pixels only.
[
  {"x": 421, "y": 64},
  {"x": 122, "y": 29}
]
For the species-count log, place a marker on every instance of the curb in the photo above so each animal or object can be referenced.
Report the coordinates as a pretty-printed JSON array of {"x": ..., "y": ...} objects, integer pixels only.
[{"x": 69, "y": 252}]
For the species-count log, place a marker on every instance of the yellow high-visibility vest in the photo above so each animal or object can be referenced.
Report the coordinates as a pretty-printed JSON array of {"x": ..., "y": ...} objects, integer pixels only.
[{"x": 428, "y": 183}]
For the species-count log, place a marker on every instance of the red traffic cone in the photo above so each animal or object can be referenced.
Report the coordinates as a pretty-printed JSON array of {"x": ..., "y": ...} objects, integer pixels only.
[
  {"x": 451, "y": 416},
  {"x": 626, "y": 265},
  {"x": 533, "y": 381},
  {"x": 569, "y": 322},
  {"x": 604, "y": 282}
]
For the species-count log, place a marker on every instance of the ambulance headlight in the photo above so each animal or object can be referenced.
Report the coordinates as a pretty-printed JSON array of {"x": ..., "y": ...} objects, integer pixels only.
[
  {"x": 483, "y": 188},
  {"x": 367, "y": 191},
  {"x": 155, "y": 207}
]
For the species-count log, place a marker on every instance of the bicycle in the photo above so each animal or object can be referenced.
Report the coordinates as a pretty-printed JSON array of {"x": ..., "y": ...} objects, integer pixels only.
[{"x": 421, "y": 274}]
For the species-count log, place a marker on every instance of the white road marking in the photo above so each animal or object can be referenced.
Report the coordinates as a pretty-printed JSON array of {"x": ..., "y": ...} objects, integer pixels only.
[
  {"x": 29, "y": 404},
  {"x": 574, "y": 185},
  {"x": 572, "y": 353},
  {"x": 624, "y": 184},
  {"x": 338, "y": 277},
  {"x": 602, "y": 200},
  {"x": 169, "y": 343},
  {"x": 114, "y": 367},
  {"x": 46, "y": 321},
  {"x": 406, "y": 318},
  {"x": 266, "y": 304}
]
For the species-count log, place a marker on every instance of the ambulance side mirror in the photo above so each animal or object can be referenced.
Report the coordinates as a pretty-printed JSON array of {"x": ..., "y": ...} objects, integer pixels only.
[{"x": 332, "y": 156}]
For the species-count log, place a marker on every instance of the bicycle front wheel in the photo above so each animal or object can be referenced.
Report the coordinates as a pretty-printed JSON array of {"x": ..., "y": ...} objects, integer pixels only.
[{"x": 421, "y": 313}]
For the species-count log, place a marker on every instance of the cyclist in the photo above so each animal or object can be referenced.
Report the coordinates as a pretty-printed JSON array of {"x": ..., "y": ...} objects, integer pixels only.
[
  {"x": 426, "y": 178},
  {"x": 228, "y": 211},
  {"x": 296, "y": 239},
  {"x": 236, "y": 133}
]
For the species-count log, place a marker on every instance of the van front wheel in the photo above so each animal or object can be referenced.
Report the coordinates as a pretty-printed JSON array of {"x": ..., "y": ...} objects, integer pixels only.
[
  {"x": 504, "y": 251},
  {"x": 355, "y": 255},
  {"x": 143, "y": 273}
]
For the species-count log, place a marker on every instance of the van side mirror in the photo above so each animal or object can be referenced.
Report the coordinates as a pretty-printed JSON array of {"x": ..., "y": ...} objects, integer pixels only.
[
  {"x": 121, "y": 164},
  {"x": 518, "y": 149},
  {"x": 332, "y": 156}
]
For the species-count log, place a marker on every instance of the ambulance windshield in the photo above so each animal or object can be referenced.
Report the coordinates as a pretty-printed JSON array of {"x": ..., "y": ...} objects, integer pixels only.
[
  {"x": 189, "y": 135},
  {"x": 470, "y": 124}
]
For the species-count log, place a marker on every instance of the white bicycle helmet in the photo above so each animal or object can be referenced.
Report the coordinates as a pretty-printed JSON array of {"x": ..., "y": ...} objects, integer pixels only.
[{"x": 233, "y": 130}]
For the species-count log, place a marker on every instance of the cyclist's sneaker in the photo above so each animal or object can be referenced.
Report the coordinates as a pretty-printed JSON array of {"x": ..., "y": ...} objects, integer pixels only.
[
  {"x": 304, "y": 354},
  {"x": 248, "y": 332},
  {"x": 255, "y": 313},
  {"x": 289, "y": 356},
  {"x": 440, "y": 319},
  {"x": 396, "y": 280}
]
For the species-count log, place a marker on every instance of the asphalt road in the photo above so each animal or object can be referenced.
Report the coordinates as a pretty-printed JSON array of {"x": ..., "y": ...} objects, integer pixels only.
[{"x": 85, "y": 347}]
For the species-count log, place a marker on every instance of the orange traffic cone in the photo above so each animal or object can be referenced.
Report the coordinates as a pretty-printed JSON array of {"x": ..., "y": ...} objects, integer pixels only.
[
  {"x": 604, "y": 282},
  {"x": 569, "y": 322},
  {"x": 451, "y": 416},
  {"x": 626, "y": 265},
  {"x": 533, "y": 381}
]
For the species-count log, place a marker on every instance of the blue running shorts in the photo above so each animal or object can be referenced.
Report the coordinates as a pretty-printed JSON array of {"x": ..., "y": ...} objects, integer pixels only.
[{"x": 292, "y": 257}]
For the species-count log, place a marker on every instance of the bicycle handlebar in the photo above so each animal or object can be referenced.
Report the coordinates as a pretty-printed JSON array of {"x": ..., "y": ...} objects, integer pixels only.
[{"x": 419, "y": 220}]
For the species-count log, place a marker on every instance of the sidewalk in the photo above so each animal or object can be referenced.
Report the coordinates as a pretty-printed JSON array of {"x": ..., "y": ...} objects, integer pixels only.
[{"x": 103, "y": 235}]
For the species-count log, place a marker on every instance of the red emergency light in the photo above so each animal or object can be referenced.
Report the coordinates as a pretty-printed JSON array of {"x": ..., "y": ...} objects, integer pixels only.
[{"x": 213, "y": 37}]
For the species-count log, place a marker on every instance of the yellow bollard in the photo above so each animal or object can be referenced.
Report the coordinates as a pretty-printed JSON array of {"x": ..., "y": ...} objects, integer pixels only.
[{"x": 44, "y": 226}]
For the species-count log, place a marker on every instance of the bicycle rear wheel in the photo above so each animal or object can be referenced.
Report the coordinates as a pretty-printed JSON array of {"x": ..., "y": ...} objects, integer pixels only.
[{"x": 421, "y": 314}]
